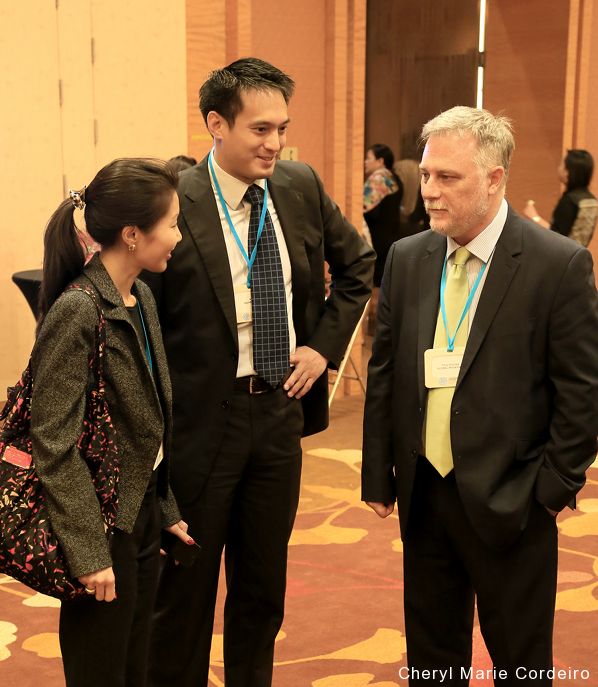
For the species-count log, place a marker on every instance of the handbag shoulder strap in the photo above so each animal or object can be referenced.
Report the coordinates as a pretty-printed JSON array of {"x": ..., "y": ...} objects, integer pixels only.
[{"x": 97, "y": 362}]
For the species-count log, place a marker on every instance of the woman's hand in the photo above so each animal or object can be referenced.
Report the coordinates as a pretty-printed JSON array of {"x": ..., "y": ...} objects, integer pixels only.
[
  {"x": 179, "y": 529},
  {"x": 101, "y": 583}
]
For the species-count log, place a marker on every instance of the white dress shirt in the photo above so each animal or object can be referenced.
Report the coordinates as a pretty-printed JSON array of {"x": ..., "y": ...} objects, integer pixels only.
[
  {"x": 233, "y": 191},
  {"x": 481, "y": 249}
]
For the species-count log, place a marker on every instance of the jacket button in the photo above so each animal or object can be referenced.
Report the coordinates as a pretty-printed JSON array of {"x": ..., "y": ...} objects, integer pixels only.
[
  {"x": 456, "y": 412},
  {"x": 225, "y": 404}
]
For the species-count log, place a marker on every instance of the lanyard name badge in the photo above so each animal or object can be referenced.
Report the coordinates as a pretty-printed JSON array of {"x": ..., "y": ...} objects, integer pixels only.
[
  {"x": 243, "y": 293},
  {"x": 442, "y": 367}
]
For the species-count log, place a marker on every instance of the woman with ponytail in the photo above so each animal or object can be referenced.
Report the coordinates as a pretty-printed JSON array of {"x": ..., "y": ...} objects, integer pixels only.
[{"x": 130, "y": 209}]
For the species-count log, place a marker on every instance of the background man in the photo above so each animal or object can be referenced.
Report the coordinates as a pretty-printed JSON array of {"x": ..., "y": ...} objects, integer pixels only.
[
  {"x": 231, "y": 335},
  {"x": 480, "y": 448}
]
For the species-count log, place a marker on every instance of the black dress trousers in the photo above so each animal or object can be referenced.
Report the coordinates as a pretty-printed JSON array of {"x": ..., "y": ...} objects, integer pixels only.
[
  {"x": 107, "y": 644},
  {"x": 247, "y": 507},
  {"x": 447, "y": 567}
]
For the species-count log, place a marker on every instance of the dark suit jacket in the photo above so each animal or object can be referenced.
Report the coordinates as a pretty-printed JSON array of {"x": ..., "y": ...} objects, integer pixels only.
[
  {"x": 140, "y": 410},
  {"x": 524, "y": 415},
  {"x": 197, "y": 311}
]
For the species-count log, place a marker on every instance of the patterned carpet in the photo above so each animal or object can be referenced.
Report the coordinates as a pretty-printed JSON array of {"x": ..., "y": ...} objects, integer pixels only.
[{"x": 344, "y": 625}]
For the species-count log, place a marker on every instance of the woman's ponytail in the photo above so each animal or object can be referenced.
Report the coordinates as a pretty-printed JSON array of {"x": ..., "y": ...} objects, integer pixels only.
[
  {"x": 63, "y": 257},
  {"x": 133, "y": 192}
]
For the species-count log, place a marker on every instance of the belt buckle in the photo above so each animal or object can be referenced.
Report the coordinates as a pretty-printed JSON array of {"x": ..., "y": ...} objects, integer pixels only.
[{"x": 253, "y": 391}]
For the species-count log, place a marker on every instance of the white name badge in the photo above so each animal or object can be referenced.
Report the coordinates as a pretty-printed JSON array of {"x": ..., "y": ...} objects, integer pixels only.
[
  {"x": 442, "y": 367},
  {"x": 243, "y": 304}
]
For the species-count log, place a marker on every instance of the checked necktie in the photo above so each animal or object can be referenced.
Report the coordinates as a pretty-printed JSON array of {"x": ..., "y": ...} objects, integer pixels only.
[
  {"x": 438, "y": 414},
  {"x": 268, "y": 298}
]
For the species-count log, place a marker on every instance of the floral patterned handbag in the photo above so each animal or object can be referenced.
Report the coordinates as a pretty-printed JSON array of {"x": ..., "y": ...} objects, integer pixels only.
[{"x": 29, "y": 549}]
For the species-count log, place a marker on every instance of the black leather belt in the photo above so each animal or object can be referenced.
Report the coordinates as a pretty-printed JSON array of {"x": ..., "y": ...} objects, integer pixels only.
[{"x": 253, "y": 385}]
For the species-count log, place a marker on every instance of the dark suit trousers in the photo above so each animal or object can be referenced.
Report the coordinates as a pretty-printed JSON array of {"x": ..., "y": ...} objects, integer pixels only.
[
  {"x": 106, "y": 644},
  {"x": 247, "y": 506},
  {"x": 447, "y": 566}
]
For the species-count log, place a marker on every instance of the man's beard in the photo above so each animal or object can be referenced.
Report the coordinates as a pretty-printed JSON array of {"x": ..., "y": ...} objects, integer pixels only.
[{"x": 454, "y": 230}]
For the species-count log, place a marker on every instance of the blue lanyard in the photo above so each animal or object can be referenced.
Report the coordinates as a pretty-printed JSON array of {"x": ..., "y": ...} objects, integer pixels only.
[
  {"x": 260, "y": 228},
  {"x": 148, "y": 351},
  {"x": 451, "y": 339}
]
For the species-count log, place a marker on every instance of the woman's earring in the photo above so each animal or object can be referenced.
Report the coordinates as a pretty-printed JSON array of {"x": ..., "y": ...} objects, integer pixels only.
[{"x": 132, "y": 247}]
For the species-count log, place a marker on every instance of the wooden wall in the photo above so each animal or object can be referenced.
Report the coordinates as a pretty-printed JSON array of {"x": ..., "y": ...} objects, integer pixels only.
[
  {"x": 139, "y": 96},
  {"x": 322, "y": 46},
  {"x": 421, "y": 60},
  {"x": 525, "y": 78},
  {"x": 542, "y": 71},
  {"x": 581, "y": 96}
]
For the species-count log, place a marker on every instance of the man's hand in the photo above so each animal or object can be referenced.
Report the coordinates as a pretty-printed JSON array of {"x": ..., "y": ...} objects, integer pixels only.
[
  {"x": 382, "y": 510},
  {"x": 309, "y": 365}
]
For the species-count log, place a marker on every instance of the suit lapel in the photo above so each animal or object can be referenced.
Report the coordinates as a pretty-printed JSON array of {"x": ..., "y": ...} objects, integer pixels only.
[
  {"x": 203, "y": 220},
  {"x": 201, "y": 215},
  {"x": 430, "y": 271},
  {"x": 290, "y": 209},
  {"x": 500, "y": 274}
]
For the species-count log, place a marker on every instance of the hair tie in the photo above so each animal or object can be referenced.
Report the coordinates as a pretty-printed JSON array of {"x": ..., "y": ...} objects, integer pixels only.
[{"x": 78, "y": 198}]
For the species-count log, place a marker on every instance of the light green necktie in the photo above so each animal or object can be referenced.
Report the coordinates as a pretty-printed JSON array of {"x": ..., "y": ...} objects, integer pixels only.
[{"x": 438, "y": 413}]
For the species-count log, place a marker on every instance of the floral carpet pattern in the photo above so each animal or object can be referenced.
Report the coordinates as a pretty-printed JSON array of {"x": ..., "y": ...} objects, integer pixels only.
[{"x": 344, "y": 624}]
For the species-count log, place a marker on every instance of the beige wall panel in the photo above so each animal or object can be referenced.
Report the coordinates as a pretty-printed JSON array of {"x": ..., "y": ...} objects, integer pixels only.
[
  {"x": 590, "y": 129},
  {"x": 31, "y": 181},
  {"x": 76, "y": 74},
  {"x": 339, "y": 104},
  {"x": 525, "y": 78},
  {"x": 569, "y": 123},
  {"x": 357, "y": 96},
  {"x": 238, "y": 29},
  {"x": 206, "y": 50},
  {"x": 139, "y": 78}
]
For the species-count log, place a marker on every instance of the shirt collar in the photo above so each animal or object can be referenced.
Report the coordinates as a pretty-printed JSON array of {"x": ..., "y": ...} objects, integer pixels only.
[
  {"x": 233, "y": 189},
  {"x": 483, "y": 245}
]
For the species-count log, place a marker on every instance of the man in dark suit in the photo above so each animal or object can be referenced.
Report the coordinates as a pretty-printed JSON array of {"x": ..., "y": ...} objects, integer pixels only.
[
  {"x": 481, "y": 431},
  {"x": 248, "y": 340}
]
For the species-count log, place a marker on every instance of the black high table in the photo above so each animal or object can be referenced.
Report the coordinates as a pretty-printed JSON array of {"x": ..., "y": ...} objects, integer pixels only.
[{"x": 29, "y": 281}]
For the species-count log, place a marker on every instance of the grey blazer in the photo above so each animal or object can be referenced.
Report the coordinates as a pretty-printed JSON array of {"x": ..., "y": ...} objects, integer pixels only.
[{"x": 140, "y": 408}]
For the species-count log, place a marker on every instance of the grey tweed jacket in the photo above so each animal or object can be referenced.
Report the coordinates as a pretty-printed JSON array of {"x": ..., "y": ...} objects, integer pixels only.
[{"x": 140, "y": 407}]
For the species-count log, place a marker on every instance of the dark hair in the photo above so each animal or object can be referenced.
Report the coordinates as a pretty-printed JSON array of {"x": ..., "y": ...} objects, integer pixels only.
[
  {"x": 221, "y": 92},
  {"x": 181, "y": 162},
  {"x": 380, "y": 150},
  {"x": 580, "y": 166},
  {"x": 127, "y": 192}
]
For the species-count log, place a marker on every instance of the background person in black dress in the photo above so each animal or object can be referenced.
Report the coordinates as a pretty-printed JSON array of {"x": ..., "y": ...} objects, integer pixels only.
[{"x": 577, "y": 210}]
